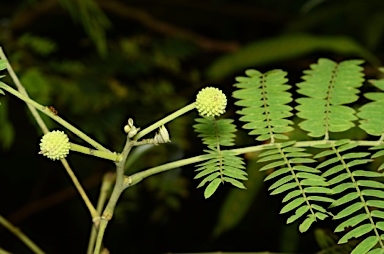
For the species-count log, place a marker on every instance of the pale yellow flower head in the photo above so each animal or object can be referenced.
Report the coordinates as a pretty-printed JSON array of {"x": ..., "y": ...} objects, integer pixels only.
[
  {"x": 55, "y": 145},
  {"x": 211, "y": 101}
]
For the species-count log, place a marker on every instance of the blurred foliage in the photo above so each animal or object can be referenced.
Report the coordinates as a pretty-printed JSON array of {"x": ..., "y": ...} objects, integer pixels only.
[{"x": 100, "y": 62}]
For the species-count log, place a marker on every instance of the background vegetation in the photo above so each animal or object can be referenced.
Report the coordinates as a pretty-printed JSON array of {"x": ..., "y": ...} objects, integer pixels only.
[{"x": 99, "y": 62}]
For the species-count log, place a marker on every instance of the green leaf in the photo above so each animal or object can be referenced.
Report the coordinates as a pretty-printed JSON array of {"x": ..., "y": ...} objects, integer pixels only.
[
  {"x": 366, "y": 173},
  {"x": 356, "y": 232},
  {"x": 349, "y": 210},
  {"x": 346, "y": 147},
  {"x": 306, "y": 224},
  {"x": 318, "y": 208},
  {"x": 333, "y": 170},
  {"x": 298, "y": 213},
  {"x": 273, "y": 165},
  {"x": 291, "y": 195},
  {"x": 292, "y": 205},
  {"x": 373, "y": 193},
  {"x": 374, "y": 251},
  {"x": 377, "y": 214},
  {"x": 371, "y": 184},
  {"x": 306, "y": 169},
  {"x": 367, "y": 244},
  {"x": 234, "y": 182},
  {"x": 310, "y": 176},
  {"x": 276, "y": 173},
  {"x": 342, "y": 187},
  {"x": 324, "y": 154},
  {"x": 358, "y": 162},
  {"x": 339, "y": 178},
  {"x": 284, "y": 187},
  {"x": 3, "y": 64},
  {"x": 328, "y": 162},
  {"x": 354, "y": 155},
  {"x": 281, "y": 182},
  {"x": 301, "y": 160},
  {"x": 346, "y": 198},
  {"x": 320, "y": 198},
  {"x": 375, "y": 203},
  {"x": 311, "y": 182},
  {"x": 380, "y": 225},
  {"x": 351, "y": 222},
  {"x": 317, "y": 190},
  {"x": 208, "y": 179},
  {"x": 212, "y": 187}
]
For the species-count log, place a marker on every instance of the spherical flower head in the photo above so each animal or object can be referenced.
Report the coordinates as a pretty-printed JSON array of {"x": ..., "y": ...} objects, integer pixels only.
[
  {"x": 55, "y": 145},
  {"x": 211, "y": 101}
]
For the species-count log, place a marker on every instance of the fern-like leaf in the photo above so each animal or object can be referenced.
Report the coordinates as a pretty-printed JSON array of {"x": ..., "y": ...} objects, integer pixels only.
[
  {"x": 220, "y": 165},
  {"x": 303, "y": 185},
  {"x": 356, "y": 194},
  {"x": 328, "y": 86},
  {"x": 264, "y": 98},
  {"x": 371, "y": 113}
]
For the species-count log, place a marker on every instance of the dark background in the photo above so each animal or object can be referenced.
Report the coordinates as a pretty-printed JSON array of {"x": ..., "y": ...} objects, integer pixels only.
[{"x": 100, "y": 62}]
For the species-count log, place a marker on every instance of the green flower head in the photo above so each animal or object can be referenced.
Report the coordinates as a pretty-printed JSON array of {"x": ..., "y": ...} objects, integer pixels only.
[
  {"x": 55, "y": 145},
  {"x": 211, "y": 101}
]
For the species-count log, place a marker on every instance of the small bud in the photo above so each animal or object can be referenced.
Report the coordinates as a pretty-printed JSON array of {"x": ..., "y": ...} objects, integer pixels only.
[
  {"x": 162, "y": 136},
  {"x": 55, "y": 145},
  {"x": 130, "y": 129},
  {"x": 211, "y": 101}
]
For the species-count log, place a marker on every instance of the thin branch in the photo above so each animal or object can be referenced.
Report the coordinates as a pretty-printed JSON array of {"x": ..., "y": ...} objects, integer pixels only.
[
  {"x": 43, "y": 203},
  {"x": 44, "y": 128},
  {"x": 139, "y": 176},
  {"x": 160, "y": 26},
  {"x": 17, "y": 232}
]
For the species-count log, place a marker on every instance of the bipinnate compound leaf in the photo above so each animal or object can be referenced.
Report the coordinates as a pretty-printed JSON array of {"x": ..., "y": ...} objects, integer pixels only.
[
  {"x": 303, "y": 185},
  {"x": 264, "y": 99},
  {"x": 220, "y": 165},
  {"x": 356, "y": 195},
  {"x": 328, "y": 87}
]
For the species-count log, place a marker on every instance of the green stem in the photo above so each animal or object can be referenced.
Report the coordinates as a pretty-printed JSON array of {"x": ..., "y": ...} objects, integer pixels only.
[
  {"x": 116, "y": 193},
  {"x": 137, "y": 177},
  {"x": 106, "y": 185},
  {"x": 49, "y": 113},
  {"x": 165, "y": 120},
  {"x": 101, "y": 154},
  {"x": 45, "y": 130},
  {"x": 22, "y": 90},
  {"x": 17, "y": 232}
]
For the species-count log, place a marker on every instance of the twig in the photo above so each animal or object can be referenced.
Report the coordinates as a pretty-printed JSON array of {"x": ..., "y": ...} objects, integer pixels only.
[
  {"x": 106, "y": 185},
  {"x": 160, "y": 26},
  {"x": 17, "y": 232},
  {"x": 44, "y": 128}
]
